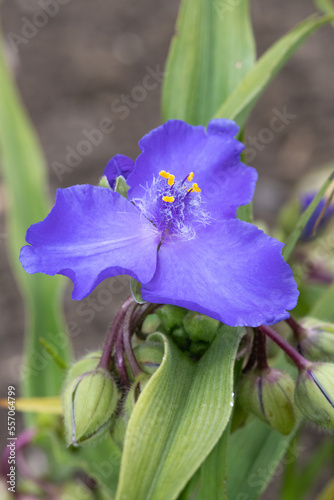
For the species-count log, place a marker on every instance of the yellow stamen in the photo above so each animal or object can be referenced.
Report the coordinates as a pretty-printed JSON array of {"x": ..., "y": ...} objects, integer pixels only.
[
  {"x": 190, "y": 176},
  {"x": 171, "y": 179},
  {"x": 164, "y": 174},
  {"x": 194, "y": 188},
  {"x": 168, "y": 199}
]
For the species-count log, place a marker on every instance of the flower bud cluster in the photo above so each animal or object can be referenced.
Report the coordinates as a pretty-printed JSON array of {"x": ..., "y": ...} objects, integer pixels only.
[{"x": 191, "y": 331}]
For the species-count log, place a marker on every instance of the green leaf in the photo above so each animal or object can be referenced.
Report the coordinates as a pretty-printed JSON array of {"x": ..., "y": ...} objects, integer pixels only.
[
  {"x": 101, "y": 460},
  {"x": 304, "y": 218},
  {"x": 212, "y": 50},
  {"x": 323, "y": 309},
  {"x": 178, "y": 419},
  {"x": 245, "y": 212},
  {"x": 24, "y": 176},
  {"x": 254, "y": 452},
  {"x": 239, "y": 104},
  {"x": 214, "y": 470},
  {"x": 135, "y": 287},
  {"x": 301, "y": 481},
  {"x": 325, "y": 6}
]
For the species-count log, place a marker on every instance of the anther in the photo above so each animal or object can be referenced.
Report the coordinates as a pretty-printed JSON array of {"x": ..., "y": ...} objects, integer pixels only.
[
  {"x": 168, "y": 199},
  {"x": 171, "y": 180},
  {"x": 190, "y": 176},
  {"x": 196, "y": 188},
  {"x": 164, "y": 174}
]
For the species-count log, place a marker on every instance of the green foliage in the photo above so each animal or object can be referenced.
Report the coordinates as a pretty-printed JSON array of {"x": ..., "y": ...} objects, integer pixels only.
[
  {"x": 254, "y": 453},
  {"x": 178, "y": 419},
  {"x": 212, "y": 50},
  {"x": 325, "y": 6},
  {"x": 323, "y": 309},
  {"x": 24, "y": 175},
  {"x": 240, "y": 103}
]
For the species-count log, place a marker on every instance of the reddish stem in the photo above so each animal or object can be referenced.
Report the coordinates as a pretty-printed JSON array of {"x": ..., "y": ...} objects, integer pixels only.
[
  {"x": 134, "y": 365},
  {"x": 261, "y": 349},
  {"x": 120, "y": 361},
  {"x": 297, "y": 329},
  {"x": 297, "y": 358},
  {"x": 113, "y": 334}
]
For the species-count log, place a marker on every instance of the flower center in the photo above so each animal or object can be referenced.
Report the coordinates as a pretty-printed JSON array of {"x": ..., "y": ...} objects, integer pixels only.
[{"x": 174, "y": 207}]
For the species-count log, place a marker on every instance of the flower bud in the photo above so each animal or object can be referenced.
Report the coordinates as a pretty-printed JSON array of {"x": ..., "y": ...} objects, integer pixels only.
[
  {"x": 317, "y": 341},
  {"x": 268, "y": 394},
  {"x": 76, "y": 490},
  {"x": 89, "y": 401},
  {"x": 181, "y": 338},
  {"x": 86, "y": 364},
  {"x": 149, "y": 355},
  {"x": 198, "y": 348},
  {"x": 314, "y": 394},
  {"x": 171, "y": 316},
  {"x": 200, "y": 327},
  {"x": 151, "y": 324}
]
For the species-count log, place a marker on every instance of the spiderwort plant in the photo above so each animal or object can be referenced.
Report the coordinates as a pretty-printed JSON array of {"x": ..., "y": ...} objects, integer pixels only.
[{"x": 177, "y": 233}]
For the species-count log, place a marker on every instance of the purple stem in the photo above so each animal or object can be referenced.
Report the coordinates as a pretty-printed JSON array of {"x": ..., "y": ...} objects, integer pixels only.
[
  {"x": 297, "y": 358},
  {"x": 261, "y": 349},
  {"x": 320, "y": 275},
  {"x": 253, "y": 355},
  {"x": 127, "y": 330},
  {"x": 120, "y": 361},
  {"x": 113, "y": 333},
  {"x": 297, "y": 329}
]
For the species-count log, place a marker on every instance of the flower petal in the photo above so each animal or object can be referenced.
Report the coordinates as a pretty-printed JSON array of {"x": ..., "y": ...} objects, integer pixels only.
[
  {"x": 91, "y": 234},
  {"x": 213, "y": 156},
  {"x": 232, "y": 272},
  {"x": 118, "y": 165}
]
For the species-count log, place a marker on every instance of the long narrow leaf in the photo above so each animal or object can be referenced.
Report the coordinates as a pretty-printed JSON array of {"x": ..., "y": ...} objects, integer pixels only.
[
  {"x": 25, "y": 182},
  {"x": 212, "y": 50},
  {"x": 323, "y": 309},
  {"x": 238, "y": 106},
  {"x": 255, "y": 452},
  {"x": 214, "y": 470},
  {"x": 325, "y": 6}
]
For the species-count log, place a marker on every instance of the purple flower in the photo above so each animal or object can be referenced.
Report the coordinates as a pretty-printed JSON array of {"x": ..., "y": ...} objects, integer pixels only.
[
  {"x": 177, "y": 233},
  {"x": 118, "y": 165},
  {"x": 305, "y": 202}
]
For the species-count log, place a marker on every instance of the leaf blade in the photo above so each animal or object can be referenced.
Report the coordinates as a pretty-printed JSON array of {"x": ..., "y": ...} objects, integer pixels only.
[
  {"x": 175, "y": 426},
  {"x": 212, "y": 50},
  {"x": 24, "y": 174},
  {"x": 239, "y": 104}
]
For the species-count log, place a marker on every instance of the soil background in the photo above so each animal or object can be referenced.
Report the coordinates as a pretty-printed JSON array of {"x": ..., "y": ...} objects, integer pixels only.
[{"x": 90, "y": 53}]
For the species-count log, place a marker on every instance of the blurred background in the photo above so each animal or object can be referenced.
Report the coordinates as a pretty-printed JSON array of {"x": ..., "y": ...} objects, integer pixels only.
[{"x": 83, "y": 76}]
